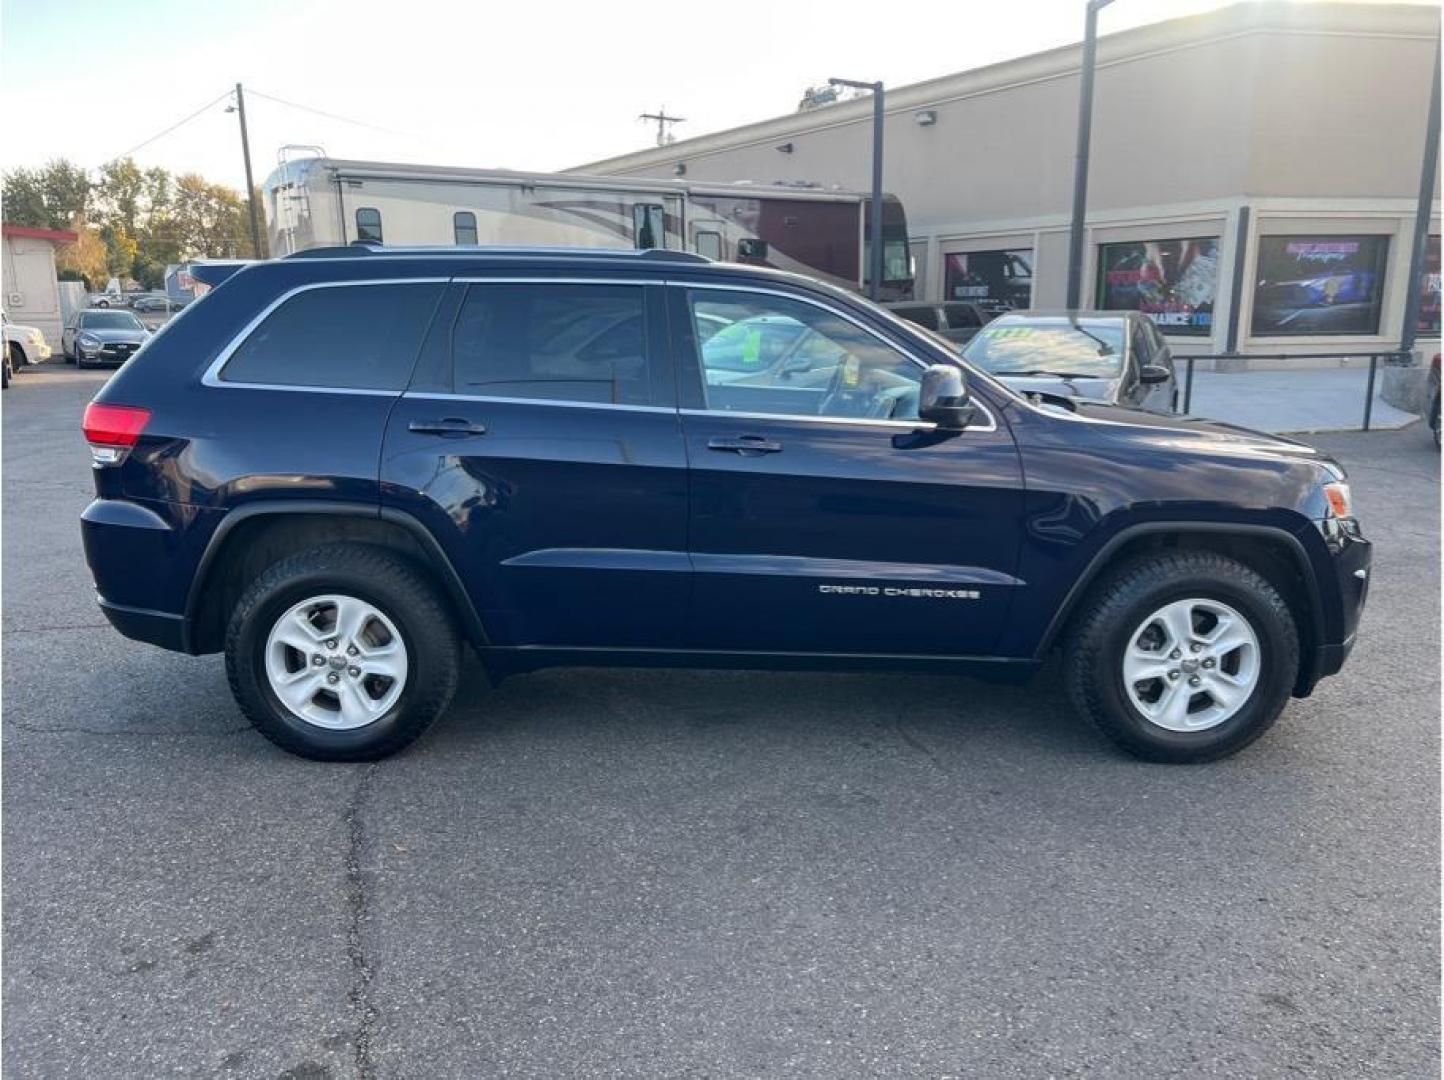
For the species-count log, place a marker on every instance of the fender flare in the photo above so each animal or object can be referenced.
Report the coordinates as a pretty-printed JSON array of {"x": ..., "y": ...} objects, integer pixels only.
[
  {"x": 1128, "y": 533},
  {"x": 449, "y": 579}
]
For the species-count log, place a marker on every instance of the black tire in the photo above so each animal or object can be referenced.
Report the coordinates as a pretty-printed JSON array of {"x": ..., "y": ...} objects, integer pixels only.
[
  {"x": 1434, "y": 417},
  {"x": 18, "y": 360},
  {"x": 5, "y": 371},
  {"x": 1108, "y": 616},
  {"x": 388, "y": 583}
]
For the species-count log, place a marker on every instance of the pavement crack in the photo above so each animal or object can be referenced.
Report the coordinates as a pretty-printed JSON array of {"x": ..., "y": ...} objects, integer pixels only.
[
  {"x": 38, "y": 729},
  {"x": 917, "y": 744},
  {"x": 359, "y": 994}
]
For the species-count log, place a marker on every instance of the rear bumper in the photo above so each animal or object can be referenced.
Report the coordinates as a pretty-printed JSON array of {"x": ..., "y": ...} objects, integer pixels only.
[{"x": 163, "y": 628}]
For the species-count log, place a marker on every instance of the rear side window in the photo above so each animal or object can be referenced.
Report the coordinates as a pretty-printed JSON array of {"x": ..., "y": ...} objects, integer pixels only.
[
  {"x": 925, "y": 316},
  {"x": 357, "y": 337},
  {"x": 463, "y": 226},
  {"x": 961, "y": 316},
  {"x": 553, "y": 343}
]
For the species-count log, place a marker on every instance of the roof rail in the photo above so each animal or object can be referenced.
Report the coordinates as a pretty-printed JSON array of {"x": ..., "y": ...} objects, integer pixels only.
[{"x": 355, "y": 250}]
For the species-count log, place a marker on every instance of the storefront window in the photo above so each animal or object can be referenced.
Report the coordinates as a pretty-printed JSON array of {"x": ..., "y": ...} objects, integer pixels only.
[
  {"x": 1319, "y": 284},
  {"x": 1429, "y": 289},
  {"x": 998, "y": 280},
  {"x": 1174, "y": 282}
]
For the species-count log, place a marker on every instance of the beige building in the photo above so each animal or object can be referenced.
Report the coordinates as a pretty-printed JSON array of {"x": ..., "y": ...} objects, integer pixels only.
[
  {"x": 27, "y": 277},
  {"x": 1253, "y": 168}
]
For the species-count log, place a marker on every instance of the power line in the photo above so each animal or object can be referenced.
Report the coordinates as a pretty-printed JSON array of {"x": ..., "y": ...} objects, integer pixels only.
[
  {"x": 185, "y": 120},
  {"x": 329, "y": 115}
]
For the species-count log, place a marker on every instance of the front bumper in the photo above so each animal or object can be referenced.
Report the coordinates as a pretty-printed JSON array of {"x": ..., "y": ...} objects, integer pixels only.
[
  {"x": 36, "y": 351},
  {"x": 1351, "y": 568}
]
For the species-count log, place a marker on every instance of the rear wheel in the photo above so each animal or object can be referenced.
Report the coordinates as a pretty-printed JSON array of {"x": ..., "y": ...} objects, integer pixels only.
[
  {"x": 342, "y": 653},
  {"x": 1183, "y": 656},
  {"x": 1434, "y": 418}
]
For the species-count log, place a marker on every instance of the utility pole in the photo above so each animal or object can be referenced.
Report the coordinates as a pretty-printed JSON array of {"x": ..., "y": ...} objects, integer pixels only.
[
  {"x": 874, "y": 284},
  {"x": 240, "y": 109},
  {"x": 1410, "y": 330},
  {"x": 662, "y": 121},
  {"x": 1080, "y": 158}
]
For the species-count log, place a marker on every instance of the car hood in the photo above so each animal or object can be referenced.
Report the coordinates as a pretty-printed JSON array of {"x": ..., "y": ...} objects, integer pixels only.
[
  {"x": 1100, "y": 389},
  {"x": 19, "y": 330},
  {"x": 117, "y": 337}
]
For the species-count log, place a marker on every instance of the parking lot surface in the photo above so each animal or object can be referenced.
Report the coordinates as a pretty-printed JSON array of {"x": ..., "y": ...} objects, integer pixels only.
[{"x": 639, "y": 873}]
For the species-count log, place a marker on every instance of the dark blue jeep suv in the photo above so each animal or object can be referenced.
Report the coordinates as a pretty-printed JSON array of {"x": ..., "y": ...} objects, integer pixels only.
[{"x": 338, "y": 467}]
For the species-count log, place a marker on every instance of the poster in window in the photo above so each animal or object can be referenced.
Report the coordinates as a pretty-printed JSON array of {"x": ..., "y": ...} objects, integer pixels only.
[
  {"x": 1174, "y": 282},
  {"x": 997, "y": 281},
  {"x": 1319, "y": 284},
  {"x": 1429, "y": 289}
]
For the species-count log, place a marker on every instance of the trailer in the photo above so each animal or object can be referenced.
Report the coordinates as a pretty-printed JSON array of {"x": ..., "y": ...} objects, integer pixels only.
[{"x": 319, "y": 202}]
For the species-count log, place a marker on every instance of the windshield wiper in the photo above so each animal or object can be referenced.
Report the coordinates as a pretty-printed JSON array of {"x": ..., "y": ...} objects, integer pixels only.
[{"x": 1055, "y": 374}]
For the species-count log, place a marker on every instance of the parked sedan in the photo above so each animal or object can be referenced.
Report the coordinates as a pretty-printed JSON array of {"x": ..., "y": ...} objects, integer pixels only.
[
  {"x": 97, "y": 336},
  {"x": 153, "y": 303},
  {"x": 1115, "y": 356},
  {"x": 953, "y": 320}
]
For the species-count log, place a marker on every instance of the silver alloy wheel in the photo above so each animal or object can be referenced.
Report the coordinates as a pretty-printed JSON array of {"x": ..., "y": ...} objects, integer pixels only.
[
  {"x": 336, "y": 662},
  {"x": 1191, "y": 665}
]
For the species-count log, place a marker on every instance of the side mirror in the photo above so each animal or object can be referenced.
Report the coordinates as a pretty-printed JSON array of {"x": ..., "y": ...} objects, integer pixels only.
[
  {"x": 1152, "y": 374},
  {"x": 752, "y": 248},
  {"x": 943, "y": 398}
]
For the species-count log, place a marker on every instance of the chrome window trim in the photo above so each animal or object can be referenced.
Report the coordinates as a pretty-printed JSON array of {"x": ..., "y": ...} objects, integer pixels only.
[
  {"x": 212, "y": 376},
  {"x": 846, "y": 421},
  {"x": 491, "y": 399},
  {"x": 537, "y": 279},
  {"x": 992, "y": 424}
]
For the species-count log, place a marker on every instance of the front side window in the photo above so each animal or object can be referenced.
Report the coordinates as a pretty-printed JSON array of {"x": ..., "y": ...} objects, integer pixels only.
[
  {"x": 563, "y": 342},
  {"x": 463, "y": 227},
  {"x": 1173, "y": 282},
  {"x": 368, "y": 224},
  {"x": 361, "y": 337},
  {"x": 649, "y": 225},
  {"x": 1319, "y": 285},
  {"x": 773, "y": 355},
  {"x": 1092, "y": 348}
]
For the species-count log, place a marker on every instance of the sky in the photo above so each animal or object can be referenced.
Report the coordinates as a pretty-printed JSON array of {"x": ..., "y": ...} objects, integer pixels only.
[{"x": 490, "y": 83}]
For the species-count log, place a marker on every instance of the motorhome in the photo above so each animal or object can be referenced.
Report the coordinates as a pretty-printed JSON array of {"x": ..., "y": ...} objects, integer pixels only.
[{"x": 318, "y": 202}]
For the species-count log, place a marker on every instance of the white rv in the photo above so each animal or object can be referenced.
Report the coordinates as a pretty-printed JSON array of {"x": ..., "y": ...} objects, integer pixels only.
[{"x": 321, "y": 202}]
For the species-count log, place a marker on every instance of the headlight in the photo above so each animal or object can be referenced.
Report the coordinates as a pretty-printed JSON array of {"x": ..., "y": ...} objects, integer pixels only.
[
  {"x": 1340, "y": 500},
  {"x": 88, "y": 341}
]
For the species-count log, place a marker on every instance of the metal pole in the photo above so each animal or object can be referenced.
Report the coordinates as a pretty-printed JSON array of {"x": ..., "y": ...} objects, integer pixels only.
[
  {"x": 875, "y": 291},
  {"x": 250, "y": 183},
  {"x": 1421, "y": 219},
  {"x": 1235, "y": 301},
  {"x": 1369, "y": 392},
  {"x": 1080, "y": 157},
  {"x": 875, "y": 259},
  {"x": 1188, "y": 386}
]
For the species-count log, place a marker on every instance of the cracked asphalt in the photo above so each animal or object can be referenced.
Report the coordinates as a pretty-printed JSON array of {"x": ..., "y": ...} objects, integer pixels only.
[{"x": 640, "y": 873}]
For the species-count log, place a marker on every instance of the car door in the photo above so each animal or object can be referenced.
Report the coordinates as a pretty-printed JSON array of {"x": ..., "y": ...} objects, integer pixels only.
[
  {"x": 539, "y": 443},
  {"x": 823, "y": 516}
]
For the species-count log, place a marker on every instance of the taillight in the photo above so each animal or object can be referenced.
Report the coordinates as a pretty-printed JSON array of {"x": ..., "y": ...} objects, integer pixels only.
[{"x": 111, "y": 430}]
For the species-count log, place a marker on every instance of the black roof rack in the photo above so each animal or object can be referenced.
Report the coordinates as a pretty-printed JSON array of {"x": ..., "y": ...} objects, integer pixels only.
[{"x": 355, "y": 250}]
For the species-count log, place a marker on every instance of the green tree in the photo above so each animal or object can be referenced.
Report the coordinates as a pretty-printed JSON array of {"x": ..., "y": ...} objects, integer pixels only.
[{"x": 48, "y": 197}]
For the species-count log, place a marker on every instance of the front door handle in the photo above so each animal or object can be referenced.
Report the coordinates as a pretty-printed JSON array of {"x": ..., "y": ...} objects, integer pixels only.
[
  {"x": 452, "y": 426},
  {"x": 746, "y": 444}
]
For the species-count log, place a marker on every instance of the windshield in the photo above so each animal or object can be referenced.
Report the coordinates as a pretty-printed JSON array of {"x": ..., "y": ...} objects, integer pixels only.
[
  {"x": 1087, "y": 347},
  {"x": 110, "y": 320}
]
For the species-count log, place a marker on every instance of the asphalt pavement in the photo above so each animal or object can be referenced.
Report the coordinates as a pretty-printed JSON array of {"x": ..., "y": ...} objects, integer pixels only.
[{"x": 643, "y": 873}]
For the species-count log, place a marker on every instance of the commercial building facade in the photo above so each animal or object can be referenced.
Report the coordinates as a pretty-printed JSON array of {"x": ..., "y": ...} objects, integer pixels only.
[{"x": 1253, "y": 185}]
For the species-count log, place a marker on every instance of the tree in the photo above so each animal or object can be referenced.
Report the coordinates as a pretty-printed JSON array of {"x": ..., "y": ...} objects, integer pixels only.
[
  {"x": 87, "y": 257},
  {"x": 49, "y": 197}
]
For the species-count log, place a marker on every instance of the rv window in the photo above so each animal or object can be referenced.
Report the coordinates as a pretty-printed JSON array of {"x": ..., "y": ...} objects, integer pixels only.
[
  {"x": 553, "y": 342},
  {"x": 463, "y": 225},
  {"x": 709, "y": 244},
  {"x": 368, "y": 224},
  {"x": 348, "y": 337},
  {"x": 649, "y": 225}
]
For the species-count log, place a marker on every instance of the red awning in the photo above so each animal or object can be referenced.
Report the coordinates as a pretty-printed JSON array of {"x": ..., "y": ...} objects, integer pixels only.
[{"x": 58, "y": 236}]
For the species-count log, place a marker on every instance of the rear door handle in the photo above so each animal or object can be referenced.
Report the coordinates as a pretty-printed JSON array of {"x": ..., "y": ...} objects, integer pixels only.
[
  {"x": 452, "y": 426},
  {"x": 746, "y": 444}
]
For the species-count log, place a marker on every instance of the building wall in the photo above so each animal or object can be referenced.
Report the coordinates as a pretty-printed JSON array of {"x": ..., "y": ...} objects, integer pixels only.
[
  {"x": 30, "y": 294},
  {"x": 1310, "y": 115}
]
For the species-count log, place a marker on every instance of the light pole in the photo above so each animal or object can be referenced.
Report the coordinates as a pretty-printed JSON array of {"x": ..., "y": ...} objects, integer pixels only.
[
  {"x": 1410, "y": 330},
  {"x": 1080, "y": 159},
  {"x": 240, "y": 108},
  {"x": 874, "y": 285}
]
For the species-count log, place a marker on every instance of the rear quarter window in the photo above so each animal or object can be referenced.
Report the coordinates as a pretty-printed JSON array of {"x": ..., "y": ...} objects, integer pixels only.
[{"x": 355, "y": 337}]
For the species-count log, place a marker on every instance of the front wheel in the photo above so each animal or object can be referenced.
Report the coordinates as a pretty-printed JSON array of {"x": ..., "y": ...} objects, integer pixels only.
[
  {"x": 342, "y": 653},
  {"x": 1434, "y": 418},
  {"x": 1183, "y": 656}
]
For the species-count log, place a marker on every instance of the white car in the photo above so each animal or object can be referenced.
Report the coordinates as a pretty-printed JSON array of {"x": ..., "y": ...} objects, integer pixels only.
[{"x": 27, "y": 344}]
